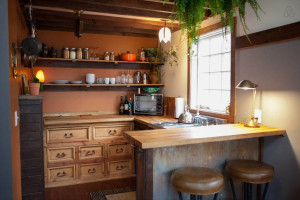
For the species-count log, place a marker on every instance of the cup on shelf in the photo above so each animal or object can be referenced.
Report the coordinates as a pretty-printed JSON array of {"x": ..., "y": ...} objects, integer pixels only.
[
  {"x": 130, "y": 80},
  {"x": 118, "y": 80},
  {"x": 90, "y": 78},
  {"x": 112, "y": 80},
  {"x": 106, "y": 80}
]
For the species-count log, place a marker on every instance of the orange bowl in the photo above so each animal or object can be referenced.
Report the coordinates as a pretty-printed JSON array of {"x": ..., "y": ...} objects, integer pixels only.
[{"x": 128, "y": 57}]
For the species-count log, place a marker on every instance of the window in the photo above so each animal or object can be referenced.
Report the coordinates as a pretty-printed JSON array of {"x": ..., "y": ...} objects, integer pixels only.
[{"x": 210, "y": 83}]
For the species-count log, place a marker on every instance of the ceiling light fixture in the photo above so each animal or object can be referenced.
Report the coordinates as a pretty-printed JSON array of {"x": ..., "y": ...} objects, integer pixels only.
[
  {"x": 164, "y": 33},
  {"x": 79, "y": 24}
]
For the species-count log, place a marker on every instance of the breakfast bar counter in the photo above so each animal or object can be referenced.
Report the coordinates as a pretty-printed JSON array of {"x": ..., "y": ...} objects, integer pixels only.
[{"x": 159, "y": 152}]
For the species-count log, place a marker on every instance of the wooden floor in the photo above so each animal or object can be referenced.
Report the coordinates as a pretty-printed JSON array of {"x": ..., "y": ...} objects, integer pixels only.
[
  {"x": 122, "y": 196},
  {"x": 82, "y": 191}
]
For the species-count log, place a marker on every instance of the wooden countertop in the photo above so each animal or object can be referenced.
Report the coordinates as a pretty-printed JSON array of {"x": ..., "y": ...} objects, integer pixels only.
[
  {"x": 105, "y": 118},
  {"x": 184, "y": 136}
]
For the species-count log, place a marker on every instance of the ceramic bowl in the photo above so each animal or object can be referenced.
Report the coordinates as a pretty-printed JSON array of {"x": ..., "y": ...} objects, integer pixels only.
[{"x": 151, "y": 90}]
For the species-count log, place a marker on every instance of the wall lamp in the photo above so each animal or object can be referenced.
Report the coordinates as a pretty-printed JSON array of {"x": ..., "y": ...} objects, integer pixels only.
[{"x": 248, "y": 85}]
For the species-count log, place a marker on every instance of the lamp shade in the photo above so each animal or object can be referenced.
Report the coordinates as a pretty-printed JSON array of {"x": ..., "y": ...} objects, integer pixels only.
[
  {"x": 246, "y": 84},
  {"x": 164, "y": 35},
  {"x": 40, "y": 76}
]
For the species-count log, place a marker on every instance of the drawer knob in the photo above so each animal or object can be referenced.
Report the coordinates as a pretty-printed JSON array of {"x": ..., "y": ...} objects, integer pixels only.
[
  {"x": 112, "y": 132},
  {"x": 90, "y": 153},
  {"x": 119, "y": 167},
  {"x": 68, "y": 135},
  {"x": 119, "y": 150},
  {"x": 92, "y": 171},
  {"x": 60, "y": 155},
  {"x": 61, "y": 174}
]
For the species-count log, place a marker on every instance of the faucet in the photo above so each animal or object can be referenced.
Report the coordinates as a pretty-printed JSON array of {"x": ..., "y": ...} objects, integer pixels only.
[{"x": 200, "y": 120}]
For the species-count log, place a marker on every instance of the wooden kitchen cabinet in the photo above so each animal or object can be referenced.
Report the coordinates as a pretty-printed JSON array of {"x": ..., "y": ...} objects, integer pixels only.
[{"x": 83, "y": 153}]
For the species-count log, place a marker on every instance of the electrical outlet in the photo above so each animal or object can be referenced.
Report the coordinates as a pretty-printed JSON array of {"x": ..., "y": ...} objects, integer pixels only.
[
  {"x": 16, "y": 118},
  {"x": 257, "y": 114}
]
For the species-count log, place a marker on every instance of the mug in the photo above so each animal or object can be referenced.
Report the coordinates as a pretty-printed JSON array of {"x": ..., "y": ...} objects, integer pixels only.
[
  {"x": 90, "y": 78},
  {"x": 112, "y": 80},
  {"x": 106, "y": 80}
]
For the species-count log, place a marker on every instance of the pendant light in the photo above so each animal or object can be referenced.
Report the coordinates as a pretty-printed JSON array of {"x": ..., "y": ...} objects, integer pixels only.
[{"x": 164, "y": 33}]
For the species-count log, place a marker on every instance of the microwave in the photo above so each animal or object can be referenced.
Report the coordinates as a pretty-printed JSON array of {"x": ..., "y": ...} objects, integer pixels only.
[{"x": 148, "y": 104}]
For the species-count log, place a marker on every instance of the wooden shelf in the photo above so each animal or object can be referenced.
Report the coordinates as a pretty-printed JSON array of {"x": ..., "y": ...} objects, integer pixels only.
[
  {"x": 94, "y": 87},
  {"x": 82, "y": 63}
]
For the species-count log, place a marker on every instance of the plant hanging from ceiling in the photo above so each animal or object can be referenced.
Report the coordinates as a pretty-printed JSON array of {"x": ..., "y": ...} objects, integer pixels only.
[{"x": 190, "y": 13}]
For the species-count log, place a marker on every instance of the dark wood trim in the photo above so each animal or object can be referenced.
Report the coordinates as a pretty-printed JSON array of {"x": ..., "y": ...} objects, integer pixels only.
[
  {"x": 278, "y": 34},
  {"x": 231, "y": 117},
  {"x": 144, "y": 173}
]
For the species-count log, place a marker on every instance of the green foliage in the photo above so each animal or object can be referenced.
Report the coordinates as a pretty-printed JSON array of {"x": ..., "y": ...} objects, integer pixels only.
[{"x": 190, "y": 13}]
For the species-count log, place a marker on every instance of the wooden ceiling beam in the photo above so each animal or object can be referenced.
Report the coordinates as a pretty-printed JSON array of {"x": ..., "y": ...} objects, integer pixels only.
[{"x": 101, "y": 8}]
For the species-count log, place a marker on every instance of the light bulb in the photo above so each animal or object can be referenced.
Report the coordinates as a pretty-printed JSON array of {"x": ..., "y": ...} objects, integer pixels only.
[{"x": 40, "y": 76}]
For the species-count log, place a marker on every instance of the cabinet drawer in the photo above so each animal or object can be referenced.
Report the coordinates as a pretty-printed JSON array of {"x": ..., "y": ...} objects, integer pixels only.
[
  {"x": 91, "y": 170},
  {"x": 119, "y": 167},
  {"x": 119, "y": 149},
  {"x": 58, "y": 174},
  {"x": 60, "y": 154},
  {"x": 86, "y": 152},
  {"x": 67, "y": 134},
  {"x": 110, "y": 131}
]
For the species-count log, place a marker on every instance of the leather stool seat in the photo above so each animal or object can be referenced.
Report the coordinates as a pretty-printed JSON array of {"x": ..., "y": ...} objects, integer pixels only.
[
  {"x": 197, "y": 180},
  {"x": 250, "y": 171}
]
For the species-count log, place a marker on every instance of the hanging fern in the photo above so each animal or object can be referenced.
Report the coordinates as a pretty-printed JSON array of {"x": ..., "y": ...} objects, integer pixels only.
[{"x": 190, "y": 13}]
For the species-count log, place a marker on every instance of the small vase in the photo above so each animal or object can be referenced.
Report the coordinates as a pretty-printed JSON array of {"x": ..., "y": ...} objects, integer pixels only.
[
  {"x": 34, "y": 88},
  {"x": 154, "y": 77}
]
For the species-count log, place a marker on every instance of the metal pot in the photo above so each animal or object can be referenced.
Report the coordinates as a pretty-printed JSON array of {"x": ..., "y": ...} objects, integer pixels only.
[{"x": 186, "y": 117}]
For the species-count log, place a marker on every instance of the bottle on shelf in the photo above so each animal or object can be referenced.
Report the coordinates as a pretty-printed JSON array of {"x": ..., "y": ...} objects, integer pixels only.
[
  {"x": 126, "y": 106},
  {"x": 142, "y": 55},
  {"x": 121, "y": 112},
  {"x": 130, "y": 107}
]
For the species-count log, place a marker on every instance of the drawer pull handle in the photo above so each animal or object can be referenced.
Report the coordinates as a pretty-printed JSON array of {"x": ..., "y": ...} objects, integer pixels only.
[
  {"x": 60, "y": 155},
  {"x": 90, "y": 153},
  {"x": 112, "y": 132},
  {"x": 120, "y": 167},
  {"x": 61, "y": 174},
  {"x": 119, "y": 150},
  {"x": 68, "y": 136},
  {"x": 92, "y": 171}
]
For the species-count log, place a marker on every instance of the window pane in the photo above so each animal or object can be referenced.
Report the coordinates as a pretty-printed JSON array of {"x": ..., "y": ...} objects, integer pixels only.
[
  {"x": 216, "y": 100},
  {"x": 215, "y": 81},
  {"x": 215, "y": 63},
  {"x": 203, "y": 81},
  {"x": 226, "y": 65},
  {"x": 203, "y": 98},
  {"x": 216, "y": 44},
  {"x": 203, "y": 47},
  {"x": 203, "y": 64},
  {"x": 226, "y": 80},
  {"x": 226, "y": 46}
]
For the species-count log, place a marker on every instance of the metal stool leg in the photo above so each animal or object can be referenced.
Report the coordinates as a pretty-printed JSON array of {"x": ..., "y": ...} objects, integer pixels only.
[
  {"x": 192, "y": 197},
  {"x": 265, "y": 191},
  {"x": 245, "y": 191},
  {"x": 232, "y": 189},
  {"x": 199, "y": 197},
  {"x": 216, "y": 196},
  {"x": 249, "y": 191},
  {"x": 180, "y": 195}
]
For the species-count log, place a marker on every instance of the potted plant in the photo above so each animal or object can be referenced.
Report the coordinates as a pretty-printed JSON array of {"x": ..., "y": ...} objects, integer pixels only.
[
  {"x": 34, "y": 86},
  {"x": 190, "y": 13}
]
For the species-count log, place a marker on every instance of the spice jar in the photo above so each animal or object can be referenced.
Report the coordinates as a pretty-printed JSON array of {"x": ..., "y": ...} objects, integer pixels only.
[
  {"x": 85, "y": 53},
  {"x": 106, "y": 56},
  {"x": 78, "y": 53},
  {"x": 72, "y": 53},
  {"x": 112, "y": 56},
  {"x": 66, "y": 53}
]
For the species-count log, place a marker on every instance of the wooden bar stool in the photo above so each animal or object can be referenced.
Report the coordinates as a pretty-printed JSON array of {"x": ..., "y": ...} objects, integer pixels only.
[
  {"x": 197, "y": 181},
  {"x": 249, "y": 172}
]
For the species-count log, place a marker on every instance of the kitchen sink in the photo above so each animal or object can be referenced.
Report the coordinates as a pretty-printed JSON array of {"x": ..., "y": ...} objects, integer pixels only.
[{"x": 202, "y": 121}]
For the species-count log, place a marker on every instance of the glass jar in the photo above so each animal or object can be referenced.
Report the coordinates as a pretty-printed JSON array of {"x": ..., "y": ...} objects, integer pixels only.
[
  {"x": 106, "y": 56},
  {"x": 66, "y": 53},
  {"x": 85, "y": 53},
  {"x": 112, "y": 56},
  {"x": 78, "y": 53},
  {"x": 72, "y": 53}
]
